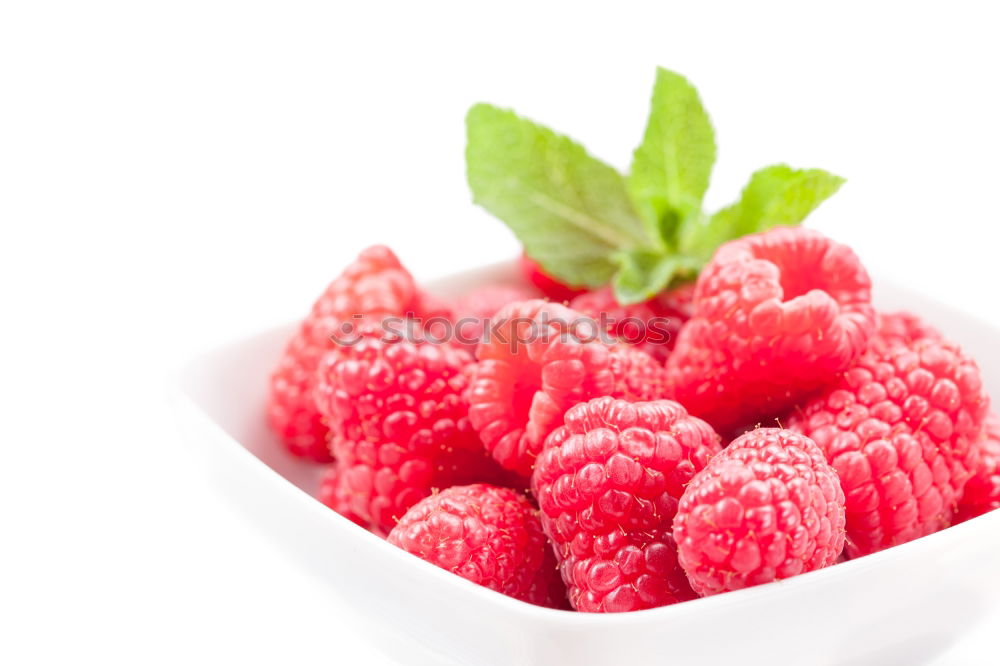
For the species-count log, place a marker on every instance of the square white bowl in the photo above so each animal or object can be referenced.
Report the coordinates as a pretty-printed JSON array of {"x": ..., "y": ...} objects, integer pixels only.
[{"x": 902, "y": 605}]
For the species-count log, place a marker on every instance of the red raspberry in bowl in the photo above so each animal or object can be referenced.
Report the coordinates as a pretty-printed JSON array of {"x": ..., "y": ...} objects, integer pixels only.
[
  {"x": 900, "y": 427},
  {"x": 900, "y": 328},
  {"x": 398, "y": 417},
  {"x": 677, "y": 300},
  {"x": 652, "y": 326},
  {"x": 768, "y": 507},
  {"x": 374, "y": 286},
  {"x": 548, "y": 285},
  {"x": 776, "y": 316},
  {"x": 540, "y": 359},
  {"x": 473, "y": 309},
  {"x": 608, "y": 484},
  {"x": 291, "y": 413},
  {"x": 335, "y": 494},
  {"x": 638, "y": 376},
  {"x": 485, "y": 534},
  {"x": 982, "y": 492}
]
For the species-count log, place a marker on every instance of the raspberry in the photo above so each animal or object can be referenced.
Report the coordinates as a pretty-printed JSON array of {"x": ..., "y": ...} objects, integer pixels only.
[
  {"x": 677, "y": 302},
  {"x": 768, "y": 507},
  {"x": 900, "y": 429},
  {"x": 777, "y": 316},
  {"x": 982, "y": 492},
  {"x": 900, "y": 328},
  {"x": 545, "y": 283},
  {"x": 538, "y": 362},
  {"x": 290, "y": 410},
  {"x": 638, "y": 376},
  {"x": 485, "y": 534},
  {"x": 652, "y": 326},
  {"x": 472, "y": 309},
  {"x": 399, "y": 419},
  {"x": 486, "y": 301},
  {"x": 375, "y": 285},
  {"x": 608, "y": 484},
  {"x": 334, "y": 494}
]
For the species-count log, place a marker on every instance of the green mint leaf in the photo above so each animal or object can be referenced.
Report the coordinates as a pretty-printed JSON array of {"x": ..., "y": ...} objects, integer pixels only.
[
  {"x": 569, "y": 210},
  {"x": 776, "y": 195},
  {"x": 644, "y": 273},
  {"x": 671, "y": 168}
]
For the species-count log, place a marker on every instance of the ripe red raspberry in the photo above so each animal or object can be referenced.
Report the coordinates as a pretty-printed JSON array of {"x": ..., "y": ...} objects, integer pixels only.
[
  {"x": 777, "y": 315},
  {"x": 768, "y": 507},
  {"x": 290, "y": 410},
  {"x": 473, "y": 309},
  {"x": 900, "y": 328},
  {"x": 374, "y": 286},
  {"x": 677, "y": 301},
  {"x": 982, "y": 492},
  {"x": 652, "y": 326},
  {"x": 608, "y": 484},
  {"x": 399, "y": 419},
  {"x": 545, "y": 283},
  {"x": 485, "y": 534},
  {"x": 900, "y": 429},
  {"x": 335, "y": 494},
  {"x": 540, "y": 359},
  {"x": 638, "y": 376}
]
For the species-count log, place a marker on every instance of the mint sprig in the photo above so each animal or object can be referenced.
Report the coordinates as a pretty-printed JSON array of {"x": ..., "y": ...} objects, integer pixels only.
[
  {"x": 569, "y": 210},
  {"x": 672, "y": 166},
  {"x": 587, "y": 225},
  {"x": 775, "y": 196}
]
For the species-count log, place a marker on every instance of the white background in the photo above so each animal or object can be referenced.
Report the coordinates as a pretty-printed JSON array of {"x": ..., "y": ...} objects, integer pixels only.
[{"x": 177, "y": 174}]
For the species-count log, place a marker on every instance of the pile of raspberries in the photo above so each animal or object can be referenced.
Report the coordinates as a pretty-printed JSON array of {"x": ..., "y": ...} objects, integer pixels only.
[{"x": 780, "y": 426}]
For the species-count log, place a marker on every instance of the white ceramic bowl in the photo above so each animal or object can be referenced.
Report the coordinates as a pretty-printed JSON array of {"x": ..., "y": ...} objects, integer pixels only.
[{"x": 903, "y": 605}]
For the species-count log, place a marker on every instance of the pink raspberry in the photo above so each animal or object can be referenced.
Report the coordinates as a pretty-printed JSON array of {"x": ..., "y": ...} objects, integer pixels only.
[
  {"x": 677, "y": 301},
  {"x": 652, "y": 326},
  {"x": 539, "y": 361},
  {"x": 473, "y": 309},
  {"x": 399, "y": 419},
  {"x": 777, "y": 316},
  {"x": 548, "y": 285},
  {"x": 608, "y": 485},
  {"x": 335, "y": 494},
  {"x": 900, "y": 328},
  {"x": 374, "y": 286},
  {"x": 982, "y": 492},
  {"x": 900, "y": 428},
  {"x": 768, "y": 507},
  {"x": 485, "y": 534},
  {"x": 638, "y": 376},
  {"x": 290, "y": 410}
]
